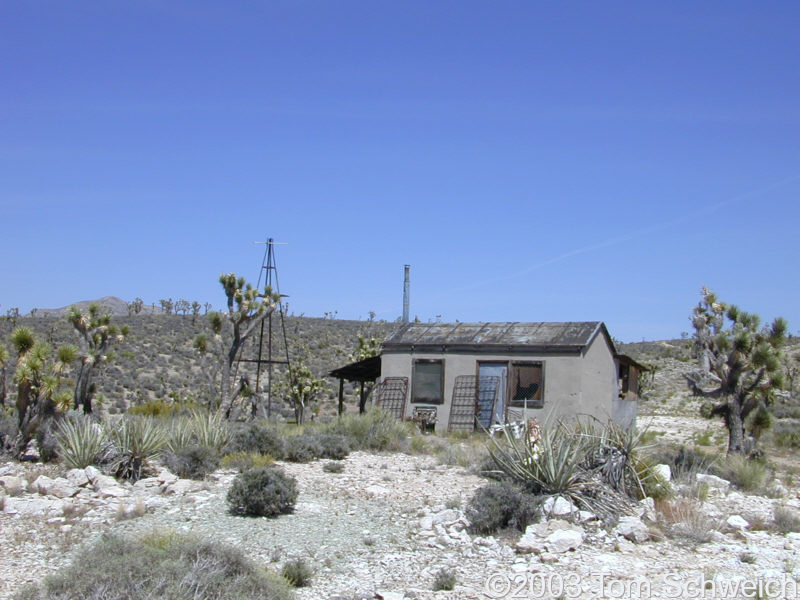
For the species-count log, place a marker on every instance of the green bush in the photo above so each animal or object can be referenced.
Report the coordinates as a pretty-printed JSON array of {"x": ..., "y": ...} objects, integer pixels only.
[
  {"x": 745, "y": 473},
  {"x": 444, "y": 580},
  {"x": 259, "y": 437},
  {"x": 172, "y": 567},
  {"x": 303, "y": 448},
  {"x": 192, "y": 462},
  {"x": 262, "y": 491},
  {"x": 374, "y": 430},
  {"x": 80, "y": 441},
  {"x": 335, "y": 447},
  {"x": 297, "y": 572},
  {"x": 242, "y": 461},
  {"x": 333, "y": 467},
  {"x": 786, "y": 520},
  {"x": 499, "y": 505}
]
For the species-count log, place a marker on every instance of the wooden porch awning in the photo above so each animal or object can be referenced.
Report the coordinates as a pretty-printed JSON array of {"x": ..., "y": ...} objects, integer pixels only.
[{"x": 368, "y": 369}]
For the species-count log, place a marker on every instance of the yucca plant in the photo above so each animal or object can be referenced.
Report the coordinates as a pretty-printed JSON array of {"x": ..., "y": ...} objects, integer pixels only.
[
  {"x": 209, "y": 430},
  {"x": 136, "y": 440},
  {"x": 80, "y": 442}
]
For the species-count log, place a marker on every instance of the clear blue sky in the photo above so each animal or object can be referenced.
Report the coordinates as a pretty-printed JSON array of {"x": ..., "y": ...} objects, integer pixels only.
[{"x": 531, "y": 160}]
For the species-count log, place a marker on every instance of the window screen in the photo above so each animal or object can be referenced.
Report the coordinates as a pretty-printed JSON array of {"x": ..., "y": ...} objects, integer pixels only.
[
  {"x": 427, "y": 382},
  {"x": 527, "y": 385}
]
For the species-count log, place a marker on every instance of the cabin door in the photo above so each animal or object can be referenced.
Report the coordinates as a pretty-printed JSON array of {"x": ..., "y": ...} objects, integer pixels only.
[{"x": 493, "y": 369}]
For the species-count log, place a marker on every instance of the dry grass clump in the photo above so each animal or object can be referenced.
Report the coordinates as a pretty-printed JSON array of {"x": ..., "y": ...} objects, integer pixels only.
[
  {"x": 683, "y": 519},
  {"x": 786, "y": 520},
  {"x": 169, "y": 566}
]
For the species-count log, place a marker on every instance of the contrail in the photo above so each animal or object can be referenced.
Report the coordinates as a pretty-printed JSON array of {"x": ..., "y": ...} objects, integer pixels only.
[{"x": 630, "y": 236}]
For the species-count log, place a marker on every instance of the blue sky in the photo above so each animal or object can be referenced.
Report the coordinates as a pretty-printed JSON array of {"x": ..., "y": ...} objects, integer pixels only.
[{"x": 531, "y": 161}]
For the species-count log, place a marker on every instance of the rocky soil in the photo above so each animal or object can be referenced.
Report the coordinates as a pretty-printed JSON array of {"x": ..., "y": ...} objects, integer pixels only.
[{"x": 388, "y": 523}]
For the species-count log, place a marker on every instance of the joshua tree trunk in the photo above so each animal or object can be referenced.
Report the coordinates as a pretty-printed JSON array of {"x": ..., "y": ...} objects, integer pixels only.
[{"x": 83, "y": 388}]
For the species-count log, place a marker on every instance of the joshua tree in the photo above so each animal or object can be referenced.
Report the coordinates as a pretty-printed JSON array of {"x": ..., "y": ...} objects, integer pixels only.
[
  {"x": 135, "y": 307},
  {"x": 195, "y": 310},
  {"x": 3, "y": 361},
  {"x": 167, "y": 305},
  {"x": 301, "y": 386},
  {"x": 739, "y": 365},
  {"x": 246, "y": 309},
  {"x": 182, "y": 306},
  {"x": 38, "y": 382},
  {"x": 97, "y": 335},
  {"x": 367, "y": 347}
]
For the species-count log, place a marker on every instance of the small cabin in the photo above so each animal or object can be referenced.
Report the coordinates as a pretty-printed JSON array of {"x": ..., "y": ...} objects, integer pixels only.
[{"x": 467, "y": 376}]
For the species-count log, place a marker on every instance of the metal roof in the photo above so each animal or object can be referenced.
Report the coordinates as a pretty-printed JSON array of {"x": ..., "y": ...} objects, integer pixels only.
[
  {"x": 368, "y": 369},
  {"x": 569, "y": 335}
]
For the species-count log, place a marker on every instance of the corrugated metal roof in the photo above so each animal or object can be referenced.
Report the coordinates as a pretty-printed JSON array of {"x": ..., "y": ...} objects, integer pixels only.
[{"x": 570, "y": 334}]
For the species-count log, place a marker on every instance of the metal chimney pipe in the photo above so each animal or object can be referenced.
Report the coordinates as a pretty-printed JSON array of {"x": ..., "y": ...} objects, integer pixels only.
[{"x": 406, "y": 291}]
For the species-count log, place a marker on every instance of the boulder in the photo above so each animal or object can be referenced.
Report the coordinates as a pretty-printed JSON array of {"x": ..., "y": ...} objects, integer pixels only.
[
  {"x": 713, "y": 481},
  {"x": 91, "y": 473},
  {"x": 77, "y": 477},
  {"x": 41, "y": 485},
  {"x": 447, "y": 516},
  {"x": 13, "y": 485},
  {"x": 101, "y": 482},
  {"x": 165, "y": 476},
  {"x": 647, "y": 509},
  {"x": 563, "y": 540},
  {"x": 62, "y": 488},
  {"x": 558, "y": 506},
  {"x": 663, "y": 472},
  {"x": 633, "y": 529},
  {"x": 737, "y": 523}
]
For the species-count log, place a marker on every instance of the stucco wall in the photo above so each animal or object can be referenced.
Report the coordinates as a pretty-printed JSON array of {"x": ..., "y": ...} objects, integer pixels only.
[{"x": 574, "y": 384}]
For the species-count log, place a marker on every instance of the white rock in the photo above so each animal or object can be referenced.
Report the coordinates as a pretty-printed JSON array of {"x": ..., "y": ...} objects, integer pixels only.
[
  {"x": 537, "y": 536},
  {"x": 165, "y": 476},
  {"x": 113, "y": 491},
  {"x": 713, "y": 481},
  {"x": 32, "y": 506},
  {"x": 426, "y": 523},
  {"x": 91, "y": 473},
  {"x": 647, "y": 509},
  {"x": 584, "y": 516},
  {"x": 376, "y": 490},
  {"x": 632, "y": 528},
  {"x": 12, "y": 484},
  {"x": 563, "y": 540},
  {"x": 101, "y": 482},
  {"x": 181, "y": 487},
  {"x": 42, "y": 485},
  {"x": 663, "y": 472},
  {"x": 62, "y": 488},
  {"x": 737, "y": 522},
  {"x": 558, "y": 506},
  {"x": 447, "y": 516},
  {"x": 77, "y": 477}
]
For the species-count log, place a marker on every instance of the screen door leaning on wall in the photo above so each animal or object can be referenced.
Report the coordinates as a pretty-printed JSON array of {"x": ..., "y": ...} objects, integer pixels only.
[{"x": 494, "y": 370}]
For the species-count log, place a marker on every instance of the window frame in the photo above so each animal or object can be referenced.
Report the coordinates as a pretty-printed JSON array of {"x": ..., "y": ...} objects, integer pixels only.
[
  {"x": 416, "y": 361},
  {"x": 538, "y": 404}
]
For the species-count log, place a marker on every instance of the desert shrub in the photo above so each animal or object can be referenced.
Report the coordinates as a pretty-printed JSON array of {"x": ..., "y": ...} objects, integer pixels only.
[
  {"x": 444, "y": 580},
  {"x": 745, "y": 473},
  {"x": 135, "y": 441},
  {"x": 8, "y": 432},
  {"x": 786, "y": 434},
  {"x": 461, "y": 454},
  {"x": 333, "y": 467},
  {"x": 303, "y": 448},
  {"x": 259, "y": 437},
  {"x": 374, "y": 430},
  {"x": 46, "y": 441},
  {"x": 172, "y": 567},
  {"x": 499, "y": 505},
  {"x": 334, "y": 446},
  {"x": 153, "y": 408},
  {"x": 297, "y": 572},
  {"x": 80, "y": 441},
  {"x": 192, "y": 462},
  {"x": 262, "y": 491},
  {"x": 242, "y": 461},
  {"x": 786, "y": 520}
]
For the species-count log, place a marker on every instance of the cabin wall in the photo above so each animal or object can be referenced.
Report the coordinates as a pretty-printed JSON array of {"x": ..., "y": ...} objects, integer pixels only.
[{"x": 574, "y": 384}]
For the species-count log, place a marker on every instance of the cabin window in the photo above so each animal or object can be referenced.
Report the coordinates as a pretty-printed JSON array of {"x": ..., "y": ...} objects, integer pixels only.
[
  {"x": 526, "y": 384},
  {"x": 428, "y": 382}
]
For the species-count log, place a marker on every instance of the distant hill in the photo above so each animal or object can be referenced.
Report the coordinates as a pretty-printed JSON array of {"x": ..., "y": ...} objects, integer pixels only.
[{"x": 110, "y": 304}]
